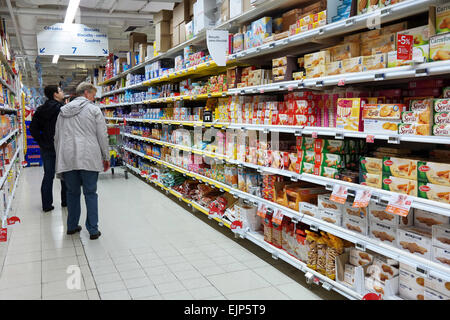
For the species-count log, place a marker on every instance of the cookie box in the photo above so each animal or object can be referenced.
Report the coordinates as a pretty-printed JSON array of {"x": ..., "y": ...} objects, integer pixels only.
[
  {"x": 383, "y": 111},
  {"x": 382, "y": 271},
  {"x": 441, "y": 118},
  {"x": 308, "y": 156},
  {"x": 360, "y": 213},
  {"x": 443, "y": 18},
  {"x": 421, "y": 105},
  {"x": 330, "y": 160},
  {"x": 360, "y": 258},
  {"x": 437, "y": 284},
  {"x": 433, "y": 172},
  {"x": 381, "y": 126},
  {"x": 410, "y": 293},
  {"x": 387, "y": 288},
  {"x": 349, "y": 114},
  {"x": 332, "y": 217},
  {"x": 441, "y": 105},
  {"x": 316, "y": 72},
  {"x": 315, "y": 59},
  {"x": 324, "y": 203},
  {"x": 399, "y": 185},
  {"x": 441, "y": 130},
  {"x": 330, "y": 146},
  {"x": 419, "y": 117},
  {"x": 411, "y": 284},
  {"x": 306, "y": 143},
  {"x": 415, "y": 240},
  {"x": 332, "y": 173},
  {"x": 307, "y": 167},
  {"x": 373, "y": 180},
  {"x": 441, "y": 256},
  {"x": 374, "y": 62},
  {"x": 355, "y": 224},
  {"x": 378, "y": 214},
  {"x": 426, "y": 220},
  {"x": 441, "y": 236},
  {"x": 334, "y": 68},
  {"x": 414, "y": 129},
  {"x": 382, "y": 44},
  {"x": 344, "y": 51},
  {"x": 349, "y": 274},
  {"x": 309, "y": 209},
  {"x": 371, "y": 165},
  {"x": 400, "y": 167},
  {"x": 440, "y": 47},
  {"x": 434, "y": 192},
  {"x": 430, "y": 294},
  {"x": 352, "y": 65},
  {"x": 383, "y": 232},
  {"x": 421, "y": 35}
]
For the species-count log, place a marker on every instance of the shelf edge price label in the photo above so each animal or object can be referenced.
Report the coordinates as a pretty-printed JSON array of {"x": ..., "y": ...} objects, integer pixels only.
[
  {"x": 399, "y": 204},
  {"x": 362, "y": 198},
  {"x": 339, "y": 194},
  {"x": 404, "y": 47}
]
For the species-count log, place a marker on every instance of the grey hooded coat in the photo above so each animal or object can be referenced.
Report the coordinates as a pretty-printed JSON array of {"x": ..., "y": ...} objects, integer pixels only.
[{"x": 81, "y": 138}]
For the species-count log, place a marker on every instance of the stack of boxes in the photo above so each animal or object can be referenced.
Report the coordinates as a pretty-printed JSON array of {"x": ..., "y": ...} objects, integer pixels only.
[
  {"x": 181, "y": 16},
  {"x": 138, "y": 49},
  {"x": 282, "y": 68},
  {"x": 33, "y": 156},
  {"x": 316, "y": 63},
  {"x": 163, "y": 38}
]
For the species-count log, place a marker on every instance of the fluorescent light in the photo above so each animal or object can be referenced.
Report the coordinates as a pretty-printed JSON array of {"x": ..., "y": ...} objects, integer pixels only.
[
  {"x": 55, "y": 58},
  {"x": 71, "y": 11}
]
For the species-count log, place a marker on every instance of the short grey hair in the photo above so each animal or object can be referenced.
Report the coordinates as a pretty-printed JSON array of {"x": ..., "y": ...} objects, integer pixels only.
[{"x": 82, "y": 87}]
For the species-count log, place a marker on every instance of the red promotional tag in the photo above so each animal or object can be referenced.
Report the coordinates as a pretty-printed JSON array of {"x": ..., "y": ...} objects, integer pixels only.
[
  {"x": 341, "y": 83},
  {"x": 3, "y": 235},
  {"x": 12, "y": 220},
  {"x": 314, "y": 135},
  {"x": 235, "y": 225},
  {"x": 404, "y": 47},
  {"x": 370, "y": 138}
]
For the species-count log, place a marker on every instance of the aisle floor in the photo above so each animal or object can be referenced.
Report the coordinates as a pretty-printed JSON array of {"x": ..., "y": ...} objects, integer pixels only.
[{"x": 151, "y": 247}]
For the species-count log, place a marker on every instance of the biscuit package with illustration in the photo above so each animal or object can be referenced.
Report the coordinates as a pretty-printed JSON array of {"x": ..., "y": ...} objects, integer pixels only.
[
  {"x": 440, "y": 47},
  {"x": 443, "y": 18},
  {"x": 415, "y": 240},
  {"x": 426, "y": 220}
]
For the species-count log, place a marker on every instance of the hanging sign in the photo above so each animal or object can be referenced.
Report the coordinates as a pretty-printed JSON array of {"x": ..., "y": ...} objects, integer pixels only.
[
  {"x": 72, "y": 40},
  {"x": 339, "y": 194},
  {"x": 399, "y": 204},
  {"x": 404, "y": 47},
  {"x": 217, "y": 41},
  {"x": 362, "y": 198}
]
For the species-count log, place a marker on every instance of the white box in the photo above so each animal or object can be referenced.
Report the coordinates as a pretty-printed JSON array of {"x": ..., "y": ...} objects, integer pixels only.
[
  {"x": 388, "y": 288},
  {"x": 332, "y": 217},
  {"x": 411, "y": 284},
  {"x": 360, "y": 258},
  {"x": 438, "y": 284},
  {"x": 425, "y": 219},
  {"x": 383, "y": 232},
  {"x": 324, "y": 203},
  {"x": 441, "y": 256},
  {"x": 382, "y": 271},
  {"x": 235, "y": 8},
  {"x": 377, "y": 213},
  {"x": 360, "y": 213},
  {"x": 441, "y": 236},
  {"x": 309, "y": 209},
  {"x": 430, "y": 294},
  {"x": 349, "y": 274},
  {"x": 356, "y": 224},
  {"x": 409, "y": 293},
  {"x": 204, "y": 16},
  {"x": 415, "y": 240}
]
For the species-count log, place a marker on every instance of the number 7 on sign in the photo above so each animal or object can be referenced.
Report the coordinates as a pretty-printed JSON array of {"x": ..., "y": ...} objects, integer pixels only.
[{"x": 74, "y": 49}]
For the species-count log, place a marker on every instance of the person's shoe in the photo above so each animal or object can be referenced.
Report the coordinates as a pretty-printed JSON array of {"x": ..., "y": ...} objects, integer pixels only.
[
  {"x": 95, "y": 236},
  {"x": 78, "y": 229},
  {"x": 49, "y": 209},
  {"x": 63, "y": 205}
]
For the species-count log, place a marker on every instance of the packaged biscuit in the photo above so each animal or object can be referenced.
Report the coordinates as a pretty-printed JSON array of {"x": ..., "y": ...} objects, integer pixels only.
[
  {"x": 330, "y": 160},
  {"x": 381, "y": 126},
  {"x": 332, "y": 173},
  {"x": 441, "y": 256},
  {"x": 373, "y": 180},
  {"x": 298, "y": 75},
  {"x": 414, "y": 129},
  {"x": 420, "y": 54},
  {"x": 415, "y": 240},
  {"x": 441, "y": 105},
  {"x": 374, "y": 62},
  {"x": 443, "y": 18},
  {"x": 362, "y": 6},
  {"x": 421, "y": 35},
  {"x": 356, "y": 225},
  {"x": 383, "y": 111},
  {"x": 433, "y": 172},
  {"x": 421, "y": 105},
  {"x": 400, "y": 167},
  {"x": 383, "y": 232},
  {"x": 440, "y": 47},
  {"x": 359, "y": 213},
  {"x": 316, "y": 72},
  {"x": 419, "y": 117},
  {"x": 332, "y": 217},
  {"x": 434, "y": 192},
  {"x": 279, "y": 71},
  {"x": 330, "y": 146},
  {"x": 371, "y": 165},
  {"x": 426, "y": 220},
  {"x": 344, "y": 51},
  {"x": 442, "y": 118},
  {"x": 393, "y": 28},
  {"x": 352, "y": 65},
  {"x": 307, "y": 143},
  {"x": 437, "y": 284},
  {"x": 383, "y": 43},
  {"x": 334, "y": 68},
  {"x": 377, "y": 213},
  {"x": 430, "y": 294},
  {"x": 360, "y": 258},
  {"x": 307, "y": 167},
  {"x": 313, "y": 60},
  {"x": 308, "y": 156},
  {"x": 309, "y": 209},
  {"x": 441, "y": 236},
  {"x": 400, "y": 185},
  {"x": 446, "y": 92},
  {"x": 349, "y": 114},
  {"x": 324, "y": 203},
  {"x": 441, "y": 130}
]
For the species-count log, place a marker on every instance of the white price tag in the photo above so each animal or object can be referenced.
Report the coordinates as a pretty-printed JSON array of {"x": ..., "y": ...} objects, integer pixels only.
[
  {"x": 399, "y": 204},
  {"x": 339, "y": 194},
  {"x": 362, "y": 198}
]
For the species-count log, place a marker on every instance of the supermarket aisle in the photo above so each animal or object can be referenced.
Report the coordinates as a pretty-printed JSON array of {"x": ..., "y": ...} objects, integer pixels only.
[{"x": 151, "y": 248}]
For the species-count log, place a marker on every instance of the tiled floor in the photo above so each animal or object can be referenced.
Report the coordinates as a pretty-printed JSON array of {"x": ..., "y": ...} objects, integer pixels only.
[{"x": 151, "y": 248}]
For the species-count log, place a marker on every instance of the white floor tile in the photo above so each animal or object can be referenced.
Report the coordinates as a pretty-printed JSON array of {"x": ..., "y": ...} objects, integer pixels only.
[
  {"x": 237, "y": 281},
  {"x": 272, "y": 275},
  {"x": 269, "y": 293},
  {"x": 297, "y": 292},
  {"x": 137, "y": 282},
  {"x": 180, "y": 295},
  {"x": 169, "y": 287},
  {"x": 141, "y": 292},
  {"x": 195, "y": 283},
  {"x": 109, "y": 277},
  {"x": 111, "y": 286},
  {"x": 115, "y": 295},
  {"x": 132, "y": 274},
  {"x": 59, "y": 288},
  {"x": 162, "y": 278},
  {"x": 93, "y": 294},
  {"x": 32, "y": 292},
  {"x": 205, "y": 292},
  {"x": 69, "y": 296}
]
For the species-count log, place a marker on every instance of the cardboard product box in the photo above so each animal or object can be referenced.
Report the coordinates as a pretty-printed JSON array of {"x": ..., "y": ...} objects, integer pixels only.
[
  {"x": 415, "y": 240},
  {"x": 421, "y": 35},
  {"x": 440, "y": 47},
  {"x": 355, "y": 224},
  {"x": 181, "y": 12},
  {"x": 332, "y": 217},
  {"x": 162, "y": 28},
  {"x": 290, "y": 18},
  {"x": 441, "y": 118},
  {"x": 324, "y": 203},
  {"x": 135, "y": 38},
  {"x": 434, "y": 192},
  {"x": 371, "y": 165},
  {"x": 204, "y": 15},
  {"x": 414, "y": 129},
  {"x": 309, "y": 209},
  {"x": 426, "y": 220},
  {"x": 373, "y": 180},
  {"x": 334, "y": 68},
  {"x": 360, "y": 258},
  {"x": 441, "y": 236},
  {"x": 385, "y": 233},
  {"x": 162, "y": 43},
  {"x": 175, "y": 36},
  {"x": 430, "y": 294},
  {"x": 349, "y": 274},
  {"x": 443, "y": 18},
  {"x": 441, "y": 256},
  {"x": 383, "y": 111},
  {"x": 349, "y": 114},
  {"x": 441, "y": 130},
  {"x": 317, "y": 58},
  {"x": 394, "y": 28},
  {"x": 383, "y": 44},
  {"x": 381, "y": 126},
  {"x": 411, "y": 293},
  {"x": 344, "y": 51},
  {"x": 316, "y": 72},
  {"x": 433, "y": 172},
  {"x": 374, "y": 62},
  {"x": 225, "y": 11},
  {"x": 182, "y": 31},
  {"x": 400, "y": 167},
  {"x": 414, "y": 282},
  {"x": 238, "y": 7},
  {"x": 163, "y": 15},
  {"x": 437, "y": 284},
  {"x": 377, "y": 213},
  {"x": 417, "y": 117},
  {"x": 441, "y": 105},
  {"x": 400, "y": 185},
  {"x": 421, "y": 104},
  {"x": 352, "y": 65},
  {"x": 382, "y": 271}
]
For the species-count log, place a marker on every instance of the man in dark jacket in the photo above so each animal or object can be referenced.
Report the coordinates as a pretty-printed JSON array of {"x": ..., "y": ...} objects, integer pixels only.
[{"x": 42, "y": 129}]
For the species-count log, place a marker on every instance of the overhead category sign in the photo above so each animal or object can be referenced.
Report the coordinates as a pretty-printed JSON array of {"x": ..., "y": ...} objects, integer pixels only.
[{"x": 72, "y": 40}]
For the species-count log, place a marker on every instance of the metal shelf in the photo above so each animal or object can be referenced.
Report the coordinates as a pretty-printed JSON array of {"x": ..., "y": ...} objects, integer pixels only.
[
  {"x": 10, "y": 88},
  {"x": 8, "y": 208},
  {"x": 8, "y": 168}
]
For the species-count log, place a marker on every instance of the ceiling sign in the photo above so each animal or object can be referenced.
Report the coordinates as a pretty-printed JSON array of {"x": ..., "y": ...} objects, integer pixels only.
[{"x": 72, "y": 40}]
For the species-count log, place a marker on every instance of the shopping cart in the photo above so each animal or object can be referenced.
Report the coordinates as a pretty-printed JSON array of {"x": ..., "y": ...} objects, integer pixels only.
[{"x": 116, "y": 150}]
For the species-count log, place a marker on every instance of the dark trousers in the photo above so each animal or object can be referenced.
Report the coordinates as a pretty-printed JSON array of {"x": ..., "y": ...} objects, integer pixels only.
[
  {"x": 74, "y": 180},
  {"x": 49, "y": 160}
]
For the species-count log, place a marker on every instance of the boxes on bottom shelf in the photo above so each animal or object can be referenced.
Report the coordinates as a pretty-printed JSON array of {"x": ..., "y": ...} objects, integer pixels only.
[
  {"x": 426, "y": 220},
  {"x": 437, "y": 284},
  {"x": 441, "y": 256},
  {"x": 411, "y": 284}
]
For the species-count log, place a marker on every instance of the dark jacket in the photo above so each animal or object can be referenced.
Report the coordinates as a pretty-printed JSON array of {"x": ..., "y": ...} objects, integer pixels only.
[{"x": 42, "y": 126}]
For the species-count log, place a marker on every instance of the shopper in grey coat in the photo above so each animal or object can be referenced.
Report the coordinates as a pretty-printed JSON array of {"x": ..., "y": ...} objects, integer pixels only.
[{"x": 81, "y": 143}]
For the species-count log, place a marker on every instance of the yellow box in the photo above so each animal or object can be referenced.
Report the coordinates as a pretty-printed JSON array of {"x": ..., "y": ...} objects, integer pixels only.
[
  {"x": 374, "y": 62},
  {"x": 352, "y": 65},
  {"x": 317, "y": 58},
  {"x": 344, "y": 51},
  {"x": 316, "y": 72},
  {"x": 334, "y": 68},
  {"x": 349, "y": 114},
  {"x": 440, "y": 47}
]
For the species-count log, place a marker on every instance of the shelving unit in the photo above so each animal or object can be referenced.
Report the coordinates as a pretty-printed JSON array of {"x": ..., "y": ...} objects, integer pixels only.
[{"x": 304, "y": 42}]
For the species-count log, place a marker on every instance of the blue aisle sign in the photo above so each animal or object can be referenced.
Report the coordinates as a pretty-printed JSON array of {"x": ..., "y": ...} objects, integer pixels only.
[{"x": 72, "y": 40}]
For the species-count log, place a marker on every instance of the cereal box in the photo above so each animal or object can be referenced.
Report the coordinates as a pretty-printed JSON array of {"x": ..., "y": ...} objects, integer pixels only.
[
  {"x": 433, "y": 172},
  {"x": 443, "y": 18},
  {"x": 440, "y": 47},
  {"x": 363, "y": 6},
  {"x": 434, "y": 192},
  {"x": 400, "y": 185}
]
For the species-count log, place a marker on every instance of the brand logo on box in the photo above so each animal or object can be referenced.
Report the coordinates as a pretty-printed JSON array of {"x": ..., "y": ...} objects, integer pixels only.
[
  {"x": 387, "y": 181},
  {"x": 424, "y": 188},
  {"x": 388, "y": 163},
  {"x": 424, "y": 168}
]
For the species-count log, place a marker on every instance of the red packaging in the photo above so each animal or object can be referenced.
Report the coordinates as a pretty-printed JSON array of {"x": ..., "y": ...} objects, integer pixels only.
[
  {"x": 426, "y": 84},
  {"x": 435, "y": 92}
]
